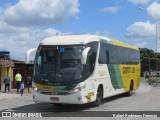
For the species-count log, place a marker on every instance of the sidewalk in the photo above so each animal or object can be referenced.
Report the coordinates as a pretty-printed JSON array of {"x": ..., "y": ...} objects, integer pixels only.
[
  {"x": 5, "y": 96},
  {"x": 13, "y": 91}
]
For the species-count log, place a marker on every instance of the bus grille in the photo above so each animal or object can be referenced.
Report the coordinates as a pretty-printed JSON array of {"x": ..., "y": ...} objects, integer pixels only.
[{"x": 54, "y": 93}]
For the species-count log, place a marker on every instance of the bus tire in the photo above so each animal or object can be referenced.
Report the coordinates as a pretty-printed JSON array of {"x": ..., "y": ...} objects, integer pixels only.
[
  {"x": 130, "y": 92},
  {"x": 99, "y": 97}
]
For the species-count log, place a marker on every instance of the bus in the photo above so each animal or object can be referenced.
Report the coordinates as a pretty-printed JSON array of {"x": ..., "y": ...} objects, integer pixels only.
[{"x": 79, "y": 69}]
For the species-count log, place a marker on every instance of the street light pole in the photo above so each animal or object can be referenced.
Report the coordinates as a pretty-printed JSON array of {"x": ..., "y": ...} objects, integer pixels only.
[
  {"x": 156, "y": 40},
  {"x": 156, "y": 50},
  {"x": 156, "y": 36}
]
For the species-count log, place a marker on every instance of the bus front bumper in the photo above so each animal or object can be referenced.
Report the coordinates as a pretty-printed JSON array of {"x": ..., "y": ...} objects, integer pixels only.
[{"x": 74, "y": 98}]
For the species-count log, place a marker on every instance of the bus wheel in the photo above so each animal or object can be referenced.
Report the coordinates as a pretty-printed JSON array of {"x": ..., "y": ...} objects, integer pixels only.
[
  {"x": 99, "y": 97},
  {"x": 130, "y": 92}
]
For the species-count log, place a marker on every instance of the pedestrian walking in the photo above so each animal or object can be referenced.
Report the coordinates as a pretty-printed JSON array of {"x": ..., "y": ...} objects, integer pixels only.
[
  {"x": 7, "y": 83},
  {"x": 18, "y": 79},
  {"x": 29, "y": 83},
  {"x": 21, "y": 89}
]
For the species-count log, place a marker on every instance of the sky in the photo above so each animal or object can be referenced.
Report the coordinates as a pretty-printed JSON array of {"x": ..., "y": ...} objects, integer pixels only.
[{"x": 25, "y": 23}]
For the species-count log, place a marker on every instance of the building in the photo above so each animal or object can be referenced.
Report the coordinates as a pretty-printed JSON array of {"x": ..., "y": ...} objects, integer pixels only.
[
  {"x": 11, "y": 67},
  {"x": 24, "y": 69},
  {"x": 6, "y": 66}
]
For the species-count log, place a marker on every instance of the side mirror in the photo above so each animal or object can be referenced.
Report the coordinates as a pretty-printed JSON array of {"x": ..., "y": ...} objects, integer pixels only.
[
  {"x": 84, "y": 55},
  {"x": 28, "y": 53}
]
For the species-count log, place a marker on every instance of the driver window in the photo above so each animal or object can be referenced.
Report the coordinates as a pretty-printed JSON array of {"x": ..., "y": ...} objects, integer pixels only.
[{"x": 49, "y": 57}]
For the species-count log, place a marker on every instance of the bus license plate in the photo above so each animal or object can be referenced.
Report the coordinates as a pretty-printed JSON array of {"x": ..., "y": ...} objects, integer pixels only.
[{"x": 54, "y": 98}]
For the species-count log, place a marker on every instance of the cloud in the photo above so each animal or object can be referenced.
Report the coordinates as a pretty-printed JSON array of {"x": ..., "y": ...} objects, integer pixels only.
[
  {"x": 5, "y": 28},
  {"x": 111, "y": 9},
  {"x": 18, "y": 43},
  {"x": 21, "y": 24},
  {"x": 142, "y": 2},
  {"x": 40, "y": 12},
  {"x": 104, "y": 33},
  {"x": 141, "y": 44},
  {"x": 141, "y": 30},
  {"x": 153, "y": 11}
]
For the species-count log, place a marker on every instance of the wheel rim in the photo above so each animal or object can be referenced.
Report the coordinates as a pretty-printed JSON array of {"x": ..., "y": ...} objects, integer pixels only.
[{"x": 99, "y": 96}]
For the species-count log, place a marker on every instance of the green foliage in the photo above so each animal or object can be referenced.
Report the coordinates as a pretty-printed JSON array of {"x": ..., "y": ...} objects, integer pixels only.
[{"x": 150, "y": 60}]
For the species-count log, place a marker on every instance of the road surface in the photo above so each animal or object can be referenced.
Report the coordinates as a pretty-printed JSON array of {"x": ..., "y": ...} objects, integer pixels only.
[{"x": 146, "y": 98}]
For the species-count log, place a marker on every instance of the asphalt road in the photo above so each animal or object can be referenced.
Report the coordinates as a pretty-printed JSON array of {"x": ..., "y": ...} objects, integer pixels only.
[{"x": 146, "y": 98}]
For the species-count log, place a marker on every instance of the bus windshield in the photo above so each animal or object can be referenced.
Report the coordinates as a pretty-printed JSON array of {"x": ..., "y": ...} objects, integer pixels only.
[{"x": 58, "y": 64}]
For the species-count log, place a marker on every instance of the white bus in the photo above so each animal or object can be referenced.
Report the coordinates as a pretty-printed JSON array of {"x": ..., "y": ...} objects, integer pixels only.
[{"x": 79, "y": 69}]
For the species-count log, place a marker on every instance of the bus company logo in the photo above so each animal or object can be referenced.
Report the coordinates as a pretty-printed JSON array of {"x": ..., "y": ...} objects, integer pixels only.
[
  {"x": 102, "y": 73},
  {"x": 6, "y": 114}
]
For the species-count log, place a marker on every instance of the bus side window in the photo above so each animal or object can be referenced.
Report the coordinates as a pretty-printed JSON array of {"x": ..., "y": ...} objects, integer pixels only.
[
  {"x": 107, "y": 56},
  {"x": 104, "y": 57}
]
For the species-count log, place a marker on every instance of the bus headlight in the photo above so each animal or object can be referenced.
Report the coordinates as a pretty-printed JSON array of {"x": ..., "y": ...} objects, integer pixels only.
[{"x": 78, "y": 88}]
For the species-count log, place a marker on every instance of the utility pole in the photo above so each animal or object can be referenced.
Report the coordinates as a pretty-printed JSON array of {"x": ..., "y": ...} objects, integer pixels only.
[
  {"x": 156, "y": 40},
  {"x": 156, "y": 51}
]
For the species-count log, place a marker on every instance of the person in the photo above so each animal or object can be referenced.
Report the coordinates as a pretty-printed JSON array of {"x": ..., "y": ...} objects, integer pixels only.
[
  {"x": 149, "y": 78},
  {"x": 18, "y": 79},
  {"x": 147, "y": 75},
  {"x": 29, "y": 83},
  {"x": 21, "y": 88},
  {"x": 7, "y": 83}
]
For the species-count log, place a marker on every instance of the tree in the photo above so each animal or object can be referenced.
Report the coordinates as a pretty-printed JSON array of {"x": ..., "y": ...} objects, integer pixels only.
[{"x": 149, "y": 60}]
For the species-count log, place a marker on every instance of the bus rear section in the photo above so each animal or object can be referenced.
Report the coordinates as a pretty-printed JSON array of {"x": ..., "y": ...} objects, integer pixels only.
[{"x": 122, "y": 62}]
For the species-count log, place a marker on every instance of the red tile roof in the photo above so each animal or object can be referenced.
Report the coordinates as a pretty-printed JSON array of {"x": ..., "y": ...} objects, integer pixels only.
[{"x": 6, "y": 63}]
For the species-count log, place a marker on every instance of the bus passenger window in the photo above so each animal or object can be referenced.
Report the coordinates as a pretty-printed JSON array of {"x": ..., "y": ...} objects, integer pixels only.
[{"x": 107, "y": 56}]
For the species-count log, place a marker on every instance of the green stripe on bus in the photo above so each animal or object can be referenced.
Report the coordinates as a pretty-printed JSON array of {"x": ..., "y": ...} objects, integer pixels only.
[
  {"x": 116, "y": 78},
  {"x": 113, "y": 76}
]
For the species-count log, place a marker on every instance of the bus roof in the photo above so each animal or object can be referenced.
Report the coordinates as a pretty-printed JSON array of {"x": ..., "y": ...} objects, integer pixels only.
[
  {"x": 82, "y": 39},
  {"x": 119, "y": 43},
  {"x": 70, "y": 39}
]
